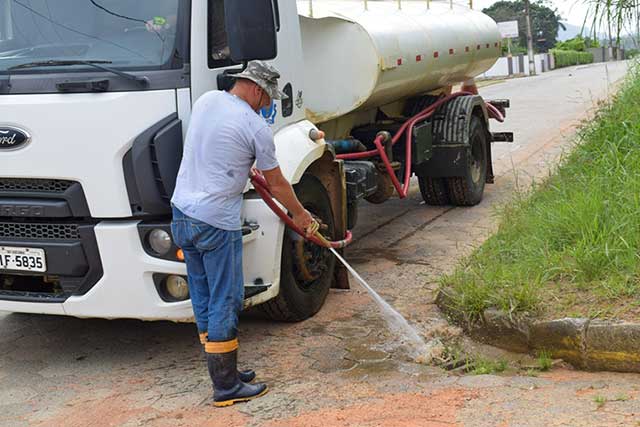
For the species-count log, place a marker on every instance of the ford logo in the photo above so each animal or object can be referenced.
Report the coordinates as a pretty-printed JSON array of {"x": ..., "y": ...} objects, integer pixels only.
[{"x": 11, "y": 137}]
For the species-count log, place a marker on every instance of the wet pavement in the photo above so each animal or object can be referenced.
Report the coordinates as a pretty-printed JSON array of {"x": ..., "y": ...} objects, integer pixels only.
[{"x": 343, "y": 367}]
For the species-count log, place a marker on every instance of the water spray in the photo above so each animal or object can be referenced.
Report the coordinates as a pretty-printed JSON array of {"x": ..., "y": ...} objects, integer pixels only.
[{"x": 396, "y": 322}]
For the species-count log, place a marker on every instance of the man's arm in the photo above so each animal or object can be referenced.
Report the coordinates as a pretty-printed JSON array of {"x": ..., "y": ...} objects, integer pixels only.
[{"x": 283, "y": 192}]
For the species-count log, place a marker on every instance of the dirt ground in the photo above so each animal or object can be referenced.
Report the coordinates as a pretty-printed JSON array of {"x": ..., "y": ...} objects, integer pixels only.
[{"x": 343, "y": 367}]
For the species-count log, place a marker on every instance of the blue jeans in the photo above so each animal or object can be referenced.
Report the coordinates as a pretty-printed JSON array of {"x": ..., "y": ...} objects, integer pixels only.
[{"x": 214, "y": 272}]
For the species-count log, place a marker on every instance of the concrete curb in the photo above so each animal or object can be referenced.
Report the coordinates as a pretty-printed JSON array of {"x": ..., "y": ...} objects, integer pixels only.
[{"x": 586, "y": 344}]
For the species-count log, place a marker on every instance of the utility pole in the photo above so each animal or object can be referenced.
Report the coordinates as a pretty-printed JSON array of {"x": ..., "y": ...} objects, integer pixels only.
[{"x": 532, "y": 61}]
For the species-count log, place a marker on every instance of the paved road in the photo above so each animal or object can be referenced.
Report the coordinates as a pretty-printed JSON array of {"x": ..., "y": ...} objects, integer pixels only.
[{"x": 343, "y": 367}]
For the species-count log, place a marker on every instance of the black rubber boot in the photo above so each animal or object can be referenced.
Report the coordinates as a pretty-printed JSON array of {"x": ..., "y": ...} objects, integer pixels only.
[
  {"x": 245, "y": 376},
  {"x": 227, "y": 387}
]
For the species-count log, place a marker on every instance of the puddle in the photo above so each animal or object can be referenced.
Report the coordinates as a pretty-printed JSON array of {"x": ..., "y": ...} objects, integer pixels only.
[
  {"x": 375, "y": 369},
  {"x": 366, "y": 354}
]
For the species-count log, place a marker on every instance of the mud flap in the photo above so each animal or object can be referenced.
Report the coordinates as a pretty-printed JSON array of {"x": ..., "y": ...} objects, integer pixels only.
[
  {"x": 490, "y": 176},
  {"x": 341, "y": 275},
  {"x": 331, "y": 173}
]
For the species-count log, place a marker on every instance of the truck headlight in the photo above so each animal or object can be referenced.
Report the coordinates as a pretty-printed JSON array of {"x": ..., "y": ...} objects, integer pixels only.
[
  {"x": 177, "y": 288},
  {"x": 160, "y": 241}
]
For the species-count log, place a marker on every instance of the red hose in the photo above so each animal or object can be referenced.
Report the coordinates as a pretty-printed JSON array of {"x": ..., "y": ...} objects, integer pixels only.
[
  {"x": 494, "y": 113},
  {"x": 262, "y": 187},
  {"x": 407, "y": 128}
]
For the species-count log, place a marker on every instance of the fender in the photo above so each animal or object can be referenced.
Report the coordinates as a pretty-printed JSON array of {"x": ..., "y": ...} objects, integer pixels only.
[
  {"x": 296, "y": 151},
  {"x": 451, "y": 121}
]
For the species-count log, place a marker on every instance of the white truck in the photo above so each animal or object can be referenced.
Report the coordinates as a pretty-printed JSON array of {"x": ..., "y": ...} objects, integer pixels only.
[{"x": 95, "y": 98}]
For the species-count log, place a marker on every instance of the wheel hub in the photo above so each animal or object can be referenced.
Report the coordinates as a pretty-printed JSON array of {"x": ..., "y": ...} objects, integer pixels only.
[
  {"x": 476, "y": 161},
  {"x": 310, "y": 261}
]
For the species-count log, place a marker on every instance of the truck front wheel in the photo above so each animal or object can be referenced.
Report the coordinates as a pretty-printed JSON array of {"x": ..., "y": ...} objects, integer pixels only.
[
  {"x": 468, "y": 190},
  {"x": 306, "y": 270}
]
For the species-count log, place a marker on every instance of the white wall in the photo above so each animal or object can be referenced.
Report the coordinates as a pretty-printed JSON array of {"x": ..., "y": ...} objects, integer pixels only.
[{"x": 501, "y": 68}]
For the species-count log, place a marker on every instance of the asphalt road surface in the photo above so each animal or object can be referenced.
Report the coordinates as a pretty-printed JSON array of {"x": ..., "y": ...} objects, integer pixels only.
[{"x": 343, "y": 367}]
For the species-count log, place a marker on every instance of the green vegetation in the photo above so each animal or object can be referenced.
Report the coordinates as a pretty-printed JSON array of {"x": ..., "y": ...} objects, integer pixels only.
[
  {"x": 456, "y": 359},
  {"x": 572, "y": 52},
  {"x": 487, "y": 367},
  {"x": 600, "y": 401},
  {"x": 632, "y": 53},
  {"x": 571, "y": 246},
  {"x": 545, "y": 362},
  {"x": 567, "y": 58},
  {"x": 544, "y": 21},
  {"x": 578, "y": 44},
  {"x": 614, "y": 17}
]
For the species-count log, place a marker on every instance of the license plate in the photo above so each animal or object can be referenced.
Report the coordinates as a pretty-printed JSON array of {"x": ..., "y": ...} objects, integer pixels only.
[{"x": 22, "y": 259}]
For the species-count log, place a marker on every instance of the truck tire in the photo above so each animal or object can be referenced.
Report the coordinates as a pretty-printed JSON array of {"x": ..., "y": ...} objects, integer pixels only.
[
  {"x": 468, "y": 190},
  {"x": 306, "y": 270},
  {"x": 434, "y": 190}
]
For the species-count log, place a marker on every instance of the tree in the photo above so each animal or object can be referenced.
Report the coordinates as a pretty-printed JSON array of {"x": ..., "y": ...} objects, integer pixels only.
[
  {"x": 544, "y": 20},
  {"x": 615, "y": 17},
  {"x": 576, "y": 44}
]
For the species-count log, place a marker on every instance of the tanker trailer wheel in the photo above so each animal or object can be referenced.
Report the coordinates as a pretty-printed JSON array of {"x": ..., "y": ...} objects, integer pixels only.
[
  {"x": 306, "y": 270},
  {"x": 468, "y": 190},
  {"x": 434, "y": 190}
]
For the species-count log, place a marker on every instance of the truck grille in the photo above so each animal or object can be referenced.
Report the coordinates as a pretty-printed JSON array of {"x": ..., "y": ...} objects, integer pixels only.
[
  {"x": 25, "y": 231},
  {"x": 31, "y": 185}
]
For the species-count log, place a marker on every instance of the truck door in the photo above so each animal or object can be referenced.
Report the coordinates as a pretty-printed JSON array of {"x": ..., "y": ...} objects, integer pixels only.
[{"x": 210, "y": 57}]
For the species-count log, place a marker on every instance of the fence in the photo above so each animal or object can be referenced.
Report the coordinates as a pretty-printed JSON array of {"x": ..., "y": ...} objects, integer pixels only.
[
  {"x": 602, "y": 54},
  {"x": 519, "y": 65}
]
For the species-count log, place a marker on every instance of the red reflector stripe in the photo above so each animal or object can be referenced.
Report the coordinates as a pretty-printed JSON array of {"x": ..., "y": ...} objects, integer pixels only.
[
  {"x": 436, "y": 54},
  {"x": 451, "y": 51},
  {"x": 399, "y": 61},
  {"x": 418, "y": 58}
]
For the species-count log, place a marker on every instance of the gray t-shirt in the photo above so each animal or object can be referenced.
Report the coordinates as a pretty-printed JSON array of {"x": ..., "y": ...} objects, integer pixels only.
[{"x": 224, "y": 139}]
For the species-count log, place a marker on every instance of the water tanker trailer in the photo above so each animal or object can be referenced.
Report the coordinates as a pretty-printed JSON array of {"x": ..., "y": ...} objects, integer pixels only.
[{"x": 95, "y": 98}]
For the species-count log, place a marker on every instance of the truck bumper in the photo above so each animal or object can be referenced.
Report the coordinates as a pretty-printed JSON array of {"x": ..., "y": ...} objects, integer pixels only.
[{"x": 126, "y": 287}]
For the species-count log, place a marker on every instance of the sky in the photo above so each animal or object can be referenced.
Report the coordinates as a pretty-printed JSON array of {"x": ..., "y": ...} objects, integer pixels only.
[{"x": 571, "y": 10}]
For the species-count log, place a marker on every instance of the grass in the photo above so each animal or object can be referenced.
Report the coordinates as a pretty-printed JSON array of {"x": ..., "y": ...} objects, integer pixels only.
[
  {"x": 571, "y": 245},
  {"x": 545, "y": 362},
  {"x": 600, "y": 401},
  {"x": 458, "y": 360},
  {"x": 486, "y": 366}
]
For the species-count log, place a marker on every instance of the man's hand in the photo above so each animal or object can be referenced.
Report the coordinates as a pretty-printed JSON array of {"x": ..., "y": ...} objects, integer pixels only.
[
  {"x": 307, "y": 223},
  {"x": 282, "y": 191}
]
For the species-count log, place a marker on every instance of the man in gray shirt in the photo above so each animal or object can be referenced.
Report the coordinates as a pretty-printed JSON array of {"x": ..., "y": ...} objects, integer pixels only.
[{"x": 225, "y": 137}]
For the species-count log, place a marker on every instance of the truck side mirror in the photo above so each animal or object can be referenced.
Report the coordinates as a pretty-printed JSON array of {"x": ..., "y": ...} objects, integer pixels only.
[{"x": 252, "y": 27}]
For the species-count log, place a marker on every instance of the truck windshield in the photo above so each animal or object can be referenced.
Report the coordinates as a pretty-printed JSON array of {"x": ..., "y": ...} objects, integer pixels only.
[{"x": 138, "y": 34}]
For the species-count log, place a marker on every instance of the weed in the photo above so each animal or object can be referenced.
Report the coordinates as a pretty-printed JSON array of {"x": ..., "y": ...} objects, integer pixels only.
[
  {"x": 486, "y": 366},
  {"x": 600, "y": 401},
  {"x": 545, "y": 362},
  {"x": 532, "y": 372}
]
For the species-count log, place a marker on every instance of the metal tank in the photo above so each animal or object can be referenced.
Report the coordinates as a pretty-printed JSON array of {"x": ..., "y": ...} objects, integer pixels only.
[{"x": 361, "y": 54}]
